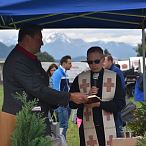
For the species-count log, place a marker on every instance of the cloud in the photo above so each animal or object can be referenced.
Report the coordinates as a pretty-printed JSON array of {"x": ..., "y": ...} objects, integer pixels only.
[
  {"x": 9, "y": 37},
  {"x": 130, "y": 36}
]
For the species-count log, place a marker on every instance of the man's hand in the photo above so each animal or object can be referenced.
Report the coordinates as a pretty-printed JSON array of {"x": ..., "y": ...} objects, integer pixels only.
[{"x": 78, "y": 98}]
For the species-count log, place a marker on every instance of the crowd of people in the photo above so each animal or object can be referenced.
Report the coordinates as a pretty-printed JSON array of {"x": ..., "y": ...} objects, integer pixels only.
[{"x": 99, "y": 121}]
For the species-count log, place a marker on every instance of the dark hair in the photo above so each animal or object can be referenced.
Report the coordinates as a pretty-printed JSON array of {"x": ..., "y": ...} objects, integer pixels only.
[
  {"x": 109, "y": 58},
  {"x": 28, "y": 29},
  {"x": 50, "y": 67},
  {"x": 118, "y": 65},
  {"x": 94, "y": 49},
  {"x": 64, "y": 59}
]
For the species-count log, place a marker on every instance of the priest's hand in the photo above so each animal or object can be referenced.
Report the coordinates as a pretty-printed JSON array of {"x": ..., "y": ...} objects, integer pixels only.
[
  {"x": 92, "y": 105},
  {"x": 93, "y": 90},
  {"x": 78, "y": 98}
]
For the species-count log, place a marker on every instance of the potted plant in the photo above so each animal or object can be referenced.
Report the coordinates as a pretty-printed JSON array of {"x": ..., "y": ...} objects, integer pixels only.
[
  {"x": 142, "y": 141},
  {"x": 138, "y": 124},
  {"x": 30, "y": 126}
]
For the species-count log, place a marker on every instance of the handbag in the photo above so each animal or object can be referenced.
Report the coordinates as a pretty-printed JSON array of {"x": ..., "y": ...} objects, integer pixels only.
[
  {"x": 127, "y": 113},
  {"x": 56, "y": 137},
  {"x": 58, "y": 141}
]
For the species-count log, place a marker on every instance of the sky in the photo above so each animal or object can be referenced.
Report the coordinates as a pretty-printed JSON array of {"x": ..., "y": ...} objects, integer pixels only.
[{"x": 130, "y": 36}]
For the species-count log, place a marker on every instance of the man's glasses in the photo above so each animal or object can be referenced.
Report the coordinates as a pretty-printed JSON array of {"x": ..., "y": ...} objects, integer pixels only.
[{"x": 97, "y": 61}]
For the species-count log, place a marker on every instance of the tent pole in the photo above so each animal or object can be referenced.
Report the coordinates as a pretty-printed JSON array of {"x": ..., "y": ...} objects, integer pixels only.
[{"x": 143, "y": 51}]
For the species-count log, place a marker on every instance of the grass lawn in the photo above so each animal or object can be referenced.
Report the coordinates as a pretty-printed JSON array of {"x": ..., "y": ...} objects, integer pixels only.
[
  {"x": 72, "y": 134},
  {"x": 1, "y": 96}
]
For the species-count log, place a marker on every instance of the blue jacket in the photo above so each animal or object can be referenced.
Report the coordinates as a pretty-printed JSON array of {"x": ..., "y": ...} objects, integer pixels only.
[
  {"x": 60, "y": 80},
  {"x": 138, "y": 94},
  {"x": 119, "y": 73}
]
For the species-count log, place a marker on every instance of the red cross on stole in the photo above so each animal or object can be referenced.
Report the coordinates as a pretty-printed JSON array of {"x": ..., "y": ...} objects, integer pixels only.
[
  {"x": 84, "y": 85},
  {"x": 91, "y": 142},
  {"x": 109, "y": 142},
  {"x": 87, "y": 113},
  {"x": 108, "y": 84},
  {"x": 107, "y": 114}
]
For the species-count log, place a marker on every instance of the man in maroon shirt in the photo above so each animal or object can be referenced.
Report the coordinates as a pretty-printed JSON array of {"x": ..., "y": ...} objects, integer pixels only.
[{"x": 23, "y": 72}]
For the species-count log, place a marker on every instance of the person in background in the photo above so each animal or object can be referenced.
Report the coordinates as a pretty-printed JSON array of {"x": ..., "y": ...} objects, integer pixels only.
[
  {"x": 51, "y": 69},
  {"x": 23, "y": 73},
  {"x": 61, "y": 83},
  {"x": 138, "y": 92},
  {"x": 109, "y": 64},
  {"x": 50, "y": 72},
  {"x": 118, "y": 65},
  {"x": 97, "y": 126}
]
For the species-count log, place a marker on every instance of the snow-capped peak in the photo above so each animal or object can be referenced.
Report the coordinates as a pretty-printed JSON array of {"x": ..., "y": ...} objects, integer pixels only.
[{"x": 57, "y": 36}]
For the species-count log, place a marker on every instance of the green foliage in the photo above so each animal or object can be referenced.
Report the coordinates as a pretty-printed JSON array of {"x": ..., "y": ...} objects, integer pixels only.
[
  {"x": 139, "y": 50},
  {"x": 45, "y": 57},
  {"x": 142, "y": 141},
  {"x": 72, "y": 136},
  {"x": 30, "y": 126},
  {"x": 72, "y": 132},
  {"x": 138, "y": 125}
]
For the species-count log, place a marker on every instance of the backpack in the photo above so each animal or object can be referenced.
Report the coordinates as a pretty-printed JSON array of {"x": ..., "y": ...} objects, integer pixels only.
[{"x": 127, "y": 113}]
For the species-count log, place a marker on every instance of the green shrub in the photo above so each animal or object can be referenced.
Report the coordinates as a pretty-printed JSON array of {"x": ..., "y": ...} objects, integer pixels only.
[
  {"x": 142, "y": 141},
  {"x": 30, "y": 126},
  {"x": 138, "y": 125}
]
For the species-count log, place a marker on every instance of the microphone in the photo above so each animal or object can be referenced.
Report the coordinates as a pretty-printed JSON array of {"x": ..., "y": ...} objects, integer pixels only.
[{"x": 95, "y": 78}]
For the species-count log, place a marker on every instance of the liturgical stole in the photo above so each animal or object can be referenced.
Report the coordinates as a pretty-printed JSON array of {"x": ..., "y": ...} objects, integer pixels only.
[{"x": 108, "y": 91}]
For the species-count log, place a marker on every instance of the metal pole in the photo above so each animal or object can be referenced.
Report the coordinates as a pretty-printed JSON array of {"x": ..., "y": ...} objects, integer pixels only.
[{"x": 143, "y": 51}]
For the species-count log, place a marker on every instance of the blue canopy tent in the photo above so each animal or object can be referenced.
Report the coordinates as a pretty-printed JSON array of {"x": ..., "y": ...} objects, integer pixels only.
[{"x": 76, "y": 14}]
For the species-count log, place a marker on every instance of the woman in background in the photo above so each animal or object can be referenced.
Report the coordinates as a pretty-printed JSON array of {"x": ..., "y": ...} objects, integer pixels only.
[{"x": 50, "y": 71}]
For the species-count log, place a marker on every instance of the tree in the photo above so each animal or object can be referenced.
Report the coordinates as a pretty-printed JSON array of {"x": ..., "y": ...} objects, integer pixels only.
[
  {"x": 139, "y": 49},
  {"x": 138, "y": 124},
  {"x": 30, "y": 126},
  {"x": 45, "y": 57}
]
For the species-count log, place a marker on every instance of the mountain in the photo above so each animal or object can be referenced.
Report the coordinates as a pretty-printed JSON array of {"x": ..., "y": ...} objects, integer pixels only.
[
  {"x": 4, "y": 50},
  {"x": 59, "y": 44}
]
